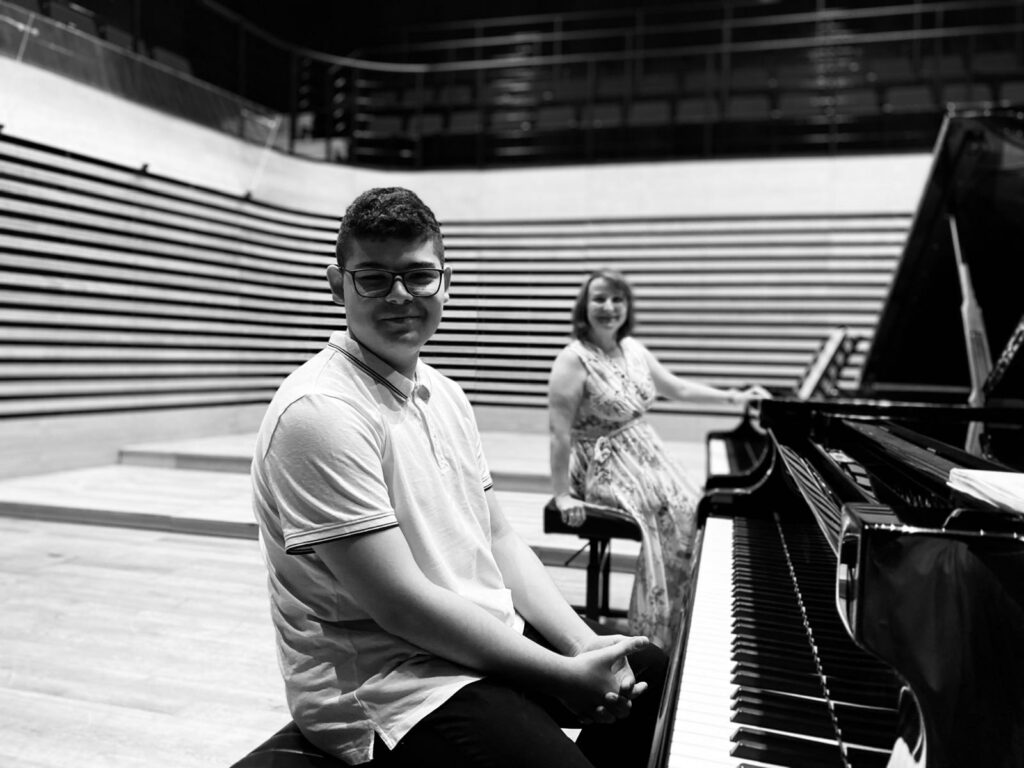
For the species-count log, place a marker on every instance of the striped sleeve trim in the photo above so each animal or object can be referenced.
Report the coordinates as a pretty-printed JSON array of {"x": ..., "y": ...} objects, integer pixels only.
[{"x": 301, "y": 543}]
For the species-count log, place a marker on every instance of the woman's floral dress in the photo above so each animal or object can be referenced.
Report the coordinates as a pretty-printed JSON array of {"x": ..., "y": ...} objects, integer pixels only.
[{"x": 618, "y": 460}]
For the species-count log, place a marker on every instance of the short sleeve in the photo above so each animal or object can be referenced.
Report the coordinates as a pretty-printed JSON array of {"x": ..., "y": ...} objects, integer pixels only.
[
  {"x": 325, "y": 468},
  {"x": 469, "y": 427}
]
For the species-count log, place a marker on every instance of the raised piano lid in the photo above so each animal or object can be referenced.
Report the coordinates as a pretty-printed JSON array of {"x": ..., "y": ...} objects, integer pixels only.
[{"x": 918, "y": 351}]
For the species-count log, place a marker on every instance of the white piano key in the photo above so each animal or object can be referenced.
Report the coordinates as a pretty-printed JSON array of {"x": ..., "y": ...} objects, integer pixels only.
[
  {"x": 718, "y": 458},
  {"x": 702, "y": 727}
]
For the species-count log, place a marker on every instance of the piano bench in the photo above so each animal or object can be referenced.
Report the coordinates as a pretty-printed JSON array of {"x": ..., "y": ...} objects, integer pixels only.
[
  {"x": 598, "y": 531},
  {"x": 288, "y": 748}
]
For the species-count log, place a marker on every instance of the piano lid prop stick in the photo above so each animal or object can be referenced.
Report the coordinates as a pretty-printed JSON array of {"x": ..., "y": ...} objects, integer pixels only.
[{"x": 979, "y": 359}]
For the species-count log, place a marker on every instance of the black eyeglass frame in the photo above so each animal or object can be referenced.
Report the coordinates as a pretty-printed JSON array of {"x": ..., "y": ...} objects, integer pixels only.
[{"x": 396, "y": 276}]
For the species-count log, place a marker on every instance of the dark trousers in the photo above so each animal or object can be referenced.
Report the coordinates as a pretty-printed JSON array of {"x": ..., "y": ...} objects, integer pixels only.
[{"x": 493, "y": 724}]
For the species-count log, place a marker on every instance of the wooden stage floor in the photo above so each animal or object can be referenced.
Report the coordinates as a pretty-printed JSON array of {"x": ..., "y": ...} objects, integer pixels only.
[{"x": 130, "y": 639}]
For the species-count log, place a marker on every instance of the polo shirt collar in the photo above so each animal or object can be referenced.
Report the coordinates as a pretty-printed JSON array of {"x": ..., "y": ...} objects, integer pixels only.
[{"x": 375, "y": 367}]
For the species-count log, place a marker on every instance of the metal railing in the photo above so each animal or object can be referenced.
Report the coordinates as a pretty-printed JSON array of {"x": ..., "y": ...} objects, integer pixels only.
[
  {"x": 37, "y": 40},
  {"x": 694, "y": 80}
]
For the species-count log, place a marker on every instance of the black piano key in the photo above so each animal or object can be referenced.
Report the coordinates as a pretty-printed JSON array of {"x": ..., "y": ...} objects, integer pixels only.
[
  {"x": 782, "y": 749},
  {"x": 776, "y": 661},
  {"x": 867, "y": 695},
  {"x": 869, "y": 685},
  {"x": 871, "y": 727},
  {"x": 769, "y": 623},
  {"x": 868, "y": 726},
  {"x": 863, "y": 758},
  {"x": 802, "y": 685},
  {"x": 796, "y": 668},
  {"x": 805, "y": 716}
]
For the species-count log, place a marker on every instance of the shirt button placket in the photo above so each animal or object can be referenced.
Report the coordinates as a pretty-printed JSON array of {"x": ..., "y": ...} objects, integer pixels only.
[{"x": 435, "y": 443}]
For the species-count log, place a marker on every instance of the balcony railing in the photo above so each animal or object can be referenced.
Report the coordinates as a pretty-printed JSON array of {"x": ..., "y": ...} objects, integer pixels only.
[{"x": 695, "y": 80}]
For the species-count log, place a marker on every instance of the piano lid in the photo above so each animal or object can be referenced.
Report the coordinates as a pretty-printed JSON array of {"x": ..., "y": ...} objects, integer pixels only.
[{"x": 977, "y": 175}]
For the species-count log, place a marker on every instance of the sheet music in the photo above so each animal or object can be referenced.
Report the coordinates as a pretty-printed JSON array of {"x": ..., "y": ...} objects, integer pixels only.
[{"x": 1003, "y": 489}]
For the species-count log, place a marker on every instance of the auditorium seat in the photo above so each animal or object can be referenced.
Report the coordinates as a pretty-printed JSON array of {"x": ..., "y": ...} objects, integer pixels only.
[
  {"x": 119, "y": 37},
  {"x": 556, "y": 117},
  {"x": 944, "y": 68},
  {"x": 657, "y": 84},
  {"x": 426, "y": 124},
  {"x": 857, "y": 101},
  {"x": 610, "y": 87},
  {"x": 697, "y": 110},
  {"x": 891, "y": 70},
  {"x": 795, "y": 76},
  {"x": 171, "y": 59},
  {"x": 380, "y": 124},
  {"x": 602, "y": 115},
  {"x": 29, "y": 5},
  {"x": 997, "y": 62},
  {"x": 749, "y": 79},
  {"x": 700, "y": 79},
  {"x": 966, "y": 92},
  {"x": 650, "y": 112},
  {"x": 455, "y": 95},
  {"x": 465, "y": 121},
  {"x": 73, "y": 15},
  {"x": 1012, "y": 92},
  {"x": 747, "y": 106},
  {"x": 909, "y": 98},
  {"x": 799, "y": 104},
  {"x": 420, "y": 97}
]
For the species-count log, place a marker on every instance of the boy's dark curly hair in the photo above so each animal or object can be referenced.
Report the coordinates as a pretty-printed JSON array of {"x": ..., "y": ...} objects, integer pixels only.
[{"x": 384, "y": 213}]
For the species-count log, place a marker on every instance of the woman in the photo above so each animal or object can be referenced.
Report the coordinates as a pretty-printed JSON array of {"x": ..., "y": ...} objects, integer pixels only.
[{"x": 603, "y": 451}]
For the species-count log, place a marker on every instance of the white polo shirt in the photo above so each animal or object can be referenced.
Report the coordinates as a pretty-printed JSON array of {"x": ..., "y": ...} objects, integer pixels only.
[{"x": 349, "y": 446}]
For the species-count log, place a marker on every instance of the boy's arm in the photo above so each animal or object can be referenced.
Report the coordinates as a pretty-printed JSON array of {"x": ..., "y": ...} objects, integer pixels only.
[
  {"x": 534, "y": 594},
  {"x": 538, "y": 599},
  {"x": 384, "y": 579}
]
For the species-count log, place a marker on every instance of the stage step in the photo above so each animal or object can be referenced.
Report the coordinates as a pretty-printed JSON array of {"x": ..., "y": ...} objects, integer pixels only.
[
  {"x": 518, "y": 460},
  {"x": 201, "y": 486},
  {"x": 217, "y": 503}
]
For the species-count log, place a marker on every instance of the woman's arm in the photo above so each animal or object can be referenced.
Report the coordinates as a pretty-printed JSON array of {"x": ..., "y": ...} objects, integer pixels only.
[
  {"x": 565, "y": 393},
  {"x": 675, "y": 387}
]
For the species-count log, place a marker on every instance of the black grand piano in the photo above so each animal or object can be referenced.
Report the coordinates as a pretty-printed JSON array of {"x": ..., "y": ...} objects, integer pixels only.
[{"x": 852, "y": 607}]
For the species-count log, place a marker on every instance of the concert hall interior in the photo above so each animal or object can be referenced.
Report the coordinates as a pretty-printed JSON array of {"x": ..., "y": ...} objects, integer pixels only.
[{"x": 818, "y": 197}]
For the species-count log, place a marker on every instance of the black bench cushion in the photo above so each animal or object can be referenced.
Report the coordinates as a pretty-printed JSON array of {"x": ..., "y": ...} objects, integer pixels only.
[
  {"x": 593, "y": 528},
  {"x": 288, "y": 748}
]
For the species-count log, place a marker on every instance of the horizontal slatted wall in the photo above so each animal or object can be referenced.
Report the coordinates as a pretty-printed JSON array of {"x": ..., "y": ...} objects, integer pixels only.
[
  {"x": 730, "y": 301},
  {"x": 122, "y": 291}
]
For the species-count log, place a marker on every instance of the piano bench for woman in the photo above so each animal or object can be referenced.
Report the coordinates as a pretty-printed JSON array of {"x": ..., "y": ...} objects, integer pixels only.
[
  {"x": 288, "y": 748},
  {"x": 598, "y": 531}
]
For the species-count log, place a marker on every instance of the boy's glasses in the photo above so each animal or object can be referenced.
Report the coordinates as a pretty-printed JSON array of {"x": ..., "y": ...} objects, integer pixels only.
[{"x": 377, "y": 283}]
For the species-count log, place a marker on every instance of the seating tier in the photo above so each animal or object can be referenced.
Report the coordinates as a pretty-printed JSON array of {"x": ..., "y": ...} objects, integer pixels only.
[{"x": 123, "y": 291}]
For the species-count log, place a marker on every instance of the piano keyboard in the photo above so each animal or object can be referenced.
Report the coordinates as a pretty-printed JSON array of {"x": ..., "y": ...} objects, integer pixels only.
[
  {"x": 769, "y": 677},
  {"x": 703, "y": 723}
]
